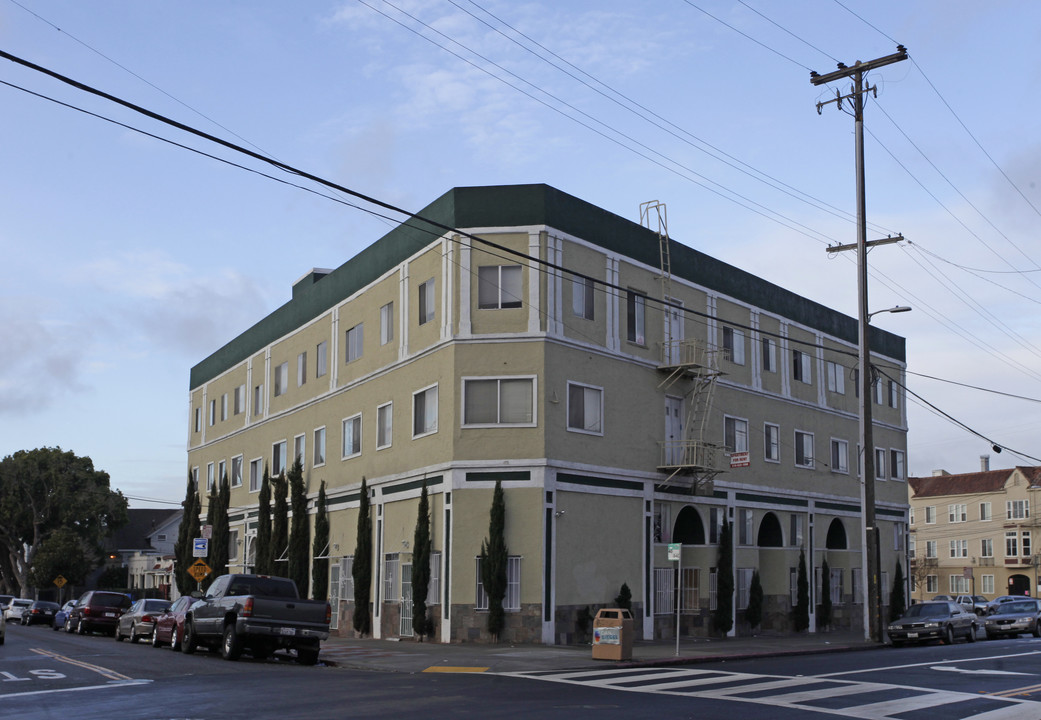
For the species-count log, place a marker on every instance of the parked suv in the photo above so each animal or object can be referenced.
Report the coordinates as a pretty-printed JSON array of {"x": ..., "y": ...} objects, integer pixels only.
[
  {"x": 973, "y": 603},
  {"x": 96, "y": 610}
]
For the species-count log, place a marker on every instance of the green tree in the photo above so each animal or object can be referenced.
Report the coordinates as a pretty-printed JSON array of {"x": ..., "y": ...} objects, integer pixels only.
[
  {"x": 63, "y": 553},
  {"x": 494, "y": 560},
  {"x": 47, "y": 489},
  {"x": 279, "y": 526},
  {"x": 723, "y": 616},
  {"x": 320, "y": 553},
  {"x": 262, "y": 544},
  {"x": 801, "y": 611},
  {"x": 421, "y": 566},
  {"x": 361, "y": 570},
  {"x": 624, "y": 599},
  {"x": 825, "y": 612},
  {"x": 217, "y": 518},
  {"x": 897, "y": 601},
  {"x": 754, "y": 611},
  {"x": 300, "y": 535},
  {"x": 186, "y": 533}
]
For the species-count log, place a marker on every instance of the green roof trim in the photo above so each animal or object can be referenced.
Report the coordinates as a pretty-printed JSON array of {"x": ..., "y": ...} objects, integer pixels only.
[
  {"x": 499, "y": 475},
  {"x": 517, "y": 205}
]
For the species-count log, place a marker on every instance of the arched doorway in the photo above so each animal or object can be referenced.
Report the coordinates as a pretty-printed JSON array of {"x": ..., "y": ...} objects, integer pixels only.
[
  {"x": 688, "y": 528},
  {"x": 770, "y": 532},
  {"x": 836, "y": 539},
  {"x": 1018, "y": 585}
]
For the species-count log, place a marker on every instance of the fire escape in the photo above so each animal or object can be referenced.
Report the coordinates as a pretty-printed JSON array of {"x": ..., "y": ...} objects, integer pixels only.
[{"x": 690, "y": 368}]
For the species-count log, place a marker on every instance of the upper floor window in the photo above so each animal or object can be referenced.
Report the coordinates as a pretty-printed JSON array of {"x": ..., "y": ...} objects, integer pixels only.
[
  {"x": 636, "y": 317},
  {"x": 896, "y": 464},
  {"x": 839, "y": 456},
  {"x": 769, "y": 355},
  {"x": 878, "y": 390},
  {"x": 209, "y": 477},
  {"x": 386, "y": 323},
  {"x": 957, "y": 513},
  {"x": 322, "y": 358},
  {"x": 426, "y": 301},
  {"x": 582, "y": 297},
  {"x": 224, "y": 407},
  {"x": 499, "y": 286},
  {"x": 734, "y": 345},
  {"x": 735, "y": 434},
  {"x": 213, "y": 412},
  {"x": 355, "y": 337},
  {"x": 258, "y": 400},
  {"x": 384, "y": 425},
  {"x": 959, "y": 548},
  {"x": 880, "y": 464},
  {"x": 1017, "y": 509},
  {"x": 424, "y": 411},
  {"x": 894, "y": 394},
  {"x": 281, "y": 379},
  {"x": 240, "y": 399},
  {"x": 255, "y": 475},
  {"x": 985, "y": 511},
  {"x": 301, "y": 369},
  {"x": 319, "y": 447},
  {"x": 352, "y": 436},
  {"x": 801, "y": 369},
  {"x": 803, "y": 449},
  {"x": 278, "y": 457},
  {"x": 836, "y": 378},
  {"x": 236, "y": 471},
  {"x": 300, "y": 449},
  {"x": 772, "y": 442},
  {"x": 930, "y": 514},
  {"x": 198, "y": 419},
  {"x": 585, "y": 412},
  {"x": 499, "y": 401}
]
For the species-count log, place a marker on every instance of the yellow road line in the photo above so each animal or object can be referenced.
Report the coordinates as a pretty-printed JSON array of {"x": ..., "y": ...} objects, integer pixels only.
[
  {"x": 452, "y": 669},
  {"x": 103, "y": 671}
]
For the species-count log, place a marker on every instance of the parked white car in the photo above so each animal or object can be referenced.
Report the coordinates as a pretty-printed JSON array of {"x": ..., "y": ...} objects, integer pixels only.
[{"x": 16, "y": 608}]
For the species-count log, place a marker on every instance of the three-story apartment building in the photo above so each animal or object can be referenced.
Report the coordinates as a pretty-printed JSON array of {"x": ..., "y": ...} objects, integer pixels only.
[{"x": 529, "y": 344}]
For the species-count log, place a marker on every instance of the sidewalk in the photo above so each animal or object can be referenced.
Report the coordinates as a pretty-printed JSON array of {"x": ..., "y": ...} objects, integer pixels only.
[{"x": 411, "y": 657}]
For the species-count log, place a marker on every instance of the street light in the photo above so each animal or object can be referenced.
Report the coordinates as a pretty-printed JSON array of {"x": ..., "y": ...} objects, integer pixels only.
[{"x": 869, "y": 531}]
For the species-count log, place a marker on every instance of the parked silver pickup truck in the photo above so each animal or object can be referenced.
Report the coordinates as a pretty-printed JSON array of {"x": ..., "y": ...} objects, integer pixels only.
[{"x": 257, "y": 613}]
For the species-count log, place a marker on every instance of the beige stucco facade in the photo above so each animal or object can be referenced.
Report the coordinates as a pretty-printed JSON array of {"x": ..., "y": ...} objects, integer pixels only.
[{"x": 432, "y": 357}]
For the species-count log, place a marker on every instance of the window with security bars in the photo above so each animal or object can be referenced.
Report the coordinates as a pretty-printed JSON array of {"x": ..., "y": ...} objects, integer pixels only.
[
  {"x": 511, "y": 602},
  {"x": 391, "y": 564},
  {"x": 744, "y": 585},
  {"x": 664, "y": 591},
  {"x": 690, "y": 590},
  {"x": 836, "y": 578},
  {"x": 713, "y": 588},
  {"x": 347, "y": 578}
]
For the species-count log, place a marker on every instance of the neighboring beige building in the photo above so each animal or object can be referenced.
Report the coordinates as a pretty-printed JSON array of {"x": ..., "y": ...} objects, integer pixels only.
[
  {"x": 974, "y": 533},
  {"x": 615, "y": 427}
]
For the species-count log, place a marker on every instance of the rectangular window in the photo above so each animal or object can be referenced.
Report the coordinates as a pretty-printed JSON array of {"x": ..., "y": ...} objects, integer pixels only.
[
  {"x": 930, "y": 548},
  {"x": 224, "y": 407},
  {"x": 744, "y": 584},
  {"x": 355, "y": 338},
  {"x": 424, "y": 411},
  {"x": 793, "y": 586},
  {"x": 499, "y": 286},
  {"x": 240, "y": 400},
  {"x": 209, "y": 477},
  {"x": 319, "y": 447},
  {"x": 352, "y": 436},
  {"x": 803, "y": 449},
  {"x": 772, "y": 442},
  {"x": 426, "y": 301},
  {"x": 1017, "y": 509},
  {"x": 930, "y": 514},
  {"x": 347, "y": 579},
  {"x": 636, "y": 317},
  {"x": 321, "y": 355},
  {"x": 582, "y": 297},
  {"x": 735, "y": 434},
  {"x": 664, "y": 591},
  {"x": 278, "y": 457},
  {"x": 801, "y": 369},
  {"x": 898, "y": 537},
  {"x": 301, "y": 369},
  {"x": 894, "y": 394},
  {"x": 959, "y": 548},
  {"x": 734, "y": 345},
  {"x": 585, "y": 411},
  {"x": 300, "y": 449},
  {"x": 222, "y": 468},
  {"x": 391, "y": 563},
  {"x": 988, "y": 584},
  {"x": 384, "y": 425},
  {"x": 1024, "y": 538},
  {"x": 1011, "y": 544},
  {"x": 836, "y": 586},
  {"x": 499, "y": 401},
  {"x": 434, "y": 585},
  {"x": 769, "y": 347},
  {"x": 795, "y": 530},
  {"x": 836, "y": 378},
  {"x": 715, "y": 524},
  {"x": 281, "y": 379},
  {"x": 896, "y": 464},
  {"x": 236, "y": 471},
  {"x": 880, "y": 464},
  {"x": 233, "y": 545},
  {"x": 513, "y": 578},
  {"x": 877, "y": 390},
  {"x": 958, "y": 584},
  {"x": 911, "y": 547},
  {"x": 745, "y": 529},
  {"x": 256, "y": 474},
  {"x": 198, "y": 419},
  {"x": 713, "y": 588},
  {"x": 839, "y": 456},
  {"x": 931, "y": 584},
  {"x": 213, "y": 413},
  {"x": 957, "y": 513},
  {"x": 987, "y": 547},
  {"x": 985, "y": 511},
  {"x": 258, "y": 400},
  {"x": 386, "y": 323}
]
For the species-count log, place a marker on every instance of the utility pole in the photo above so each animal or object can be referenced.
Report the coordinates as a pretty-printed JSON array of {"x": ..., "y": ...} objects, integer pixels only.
[{"x": 869, "y": 530}]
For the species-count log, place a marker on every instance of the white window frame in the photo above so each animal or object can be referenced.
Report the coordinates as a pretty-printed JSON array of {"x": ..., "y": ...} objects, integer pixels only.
[
  {"x": 258, "y": 400},
  {"x": 387, "y": 323},
  {"x": 499, "y": 379},
  {"x": 319, "y": 447},
  {"x": 301, "y": 369},
  {"x": 985, "y": 512},
  {"x": 198, "y": 419},
  {"x": 836, "y": 377},
  {"x": 256, "y": 474},
  {"x": 930, "y": 514},
  {"x": 771, "y": 442},
  {"x": 236, "y": 471},
  {"x": 987, "y": 583},
  {"x": 222, "y": 468},
  {"x": 233, "y": 544},
  {"x": 579, "y": 398},
  {"x": 321, "y": 362},
  {"x": 769, "y": 348},
  {"x": 1017, "y": 509},
  {"x": 356, "y": 426},
  {"x": 735, "y": 433},
  {"x": 880, "y": 463},
  {"x": 896, "y": 465},
  {"x": 744, "y": 586},
  {"x": 1011, "y": 544},
  {"x": 930, "y": 549},
  {"x": 840, "y": 456},
  {"x": 894, "y": 395},
  {"x": 426, "y": 302},
  {"x": 796, "y": 530},
  {"x": 239, "y": 404},
  {"x": 209, "y": 477},
  {"x": 734, "y": 345},
  {"x": 434, "y": 585},
  {"x": 582, "y": 297},
  {"x": 801, "y": 368},
  {"x": 384, "y": 425},
  {"x": 746, "y": 527},
  {"x": 636, "y": 317},
  {"x": 354, "y": 342},
  {"x": 425, "y": 420},
  {"x": 801, "y": 437},
  {"x": 512, "y": 601},
  {"x": 987, "y": 547},
  {"x": 224, "y": 407},
  {"x": 957, "y": 513},
  {"x": 300, "y": 449},
  {"x": 281, "y": 378},
  {"x": 499, "y": 287},
  {"x": 279, "y": 457},
  {"x": 932, "y": 584},
  {"x": 959, "y": 548},
  {"x": 213, "y": 412},
  {"x": 391, "y": 570}
]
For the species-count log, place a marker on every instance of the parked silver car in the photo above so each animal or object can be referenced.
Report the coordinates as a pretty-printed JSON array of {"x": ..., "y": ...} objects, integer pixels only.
[
  {"x": 933, "y": 621},
  {"x": 1012, "y": 618}
]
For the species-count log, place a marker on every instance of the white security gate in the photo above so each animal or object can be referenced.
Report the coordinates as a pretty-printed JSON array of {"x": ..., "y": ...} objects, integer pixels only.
[
  {"x": 334, "y": 595},
  {"x": 406, "y": 600}
]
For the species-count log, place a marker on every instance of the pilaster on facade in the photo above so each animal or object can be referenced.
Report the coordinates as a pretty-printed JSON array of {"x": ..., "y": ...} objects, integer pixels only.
[
  {"x": 534, "y": 292},
  {"x": 465, "y": 256},
  {"x": 784, "y": 366},
  {"x": 614, "y": 322},
  {"x": 757, "y": 351}
]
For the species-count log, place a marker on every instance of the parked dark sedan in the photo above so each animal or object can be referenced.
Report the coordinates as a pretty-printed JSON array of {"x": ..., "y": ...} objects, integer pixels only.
[
  {"x": 139, "y": 621},
  {"x": 1012, "y": 618},
  {"x": 169, "y": 626},
  {"x": 96, "y": 610},
  {"x": 933, "y": 621},
  {"x": 40, "y": 611}
]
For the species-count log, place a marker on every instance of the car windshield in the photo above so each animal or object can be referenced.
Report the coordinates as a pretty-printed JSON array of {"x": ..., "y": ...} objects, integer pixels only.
[
  {"x": 1019, "y": 607},
  {"x": 155, "y": 605},
  {"x": 926, "y": 610}
]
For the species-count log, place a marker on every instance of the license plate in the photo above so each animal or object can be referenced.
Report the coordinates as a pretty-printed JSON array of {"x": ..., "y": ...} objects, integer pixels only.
[
  {"x": 912, "y": 635},
  {"x": 110, "y": 614},
  {"x": 288, "y": 631}
]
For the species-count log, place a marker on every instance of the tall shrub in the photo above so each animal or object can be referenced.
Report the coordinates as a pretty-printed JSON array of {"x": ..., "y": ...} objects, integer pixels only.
[
  {"x": 186, "y": 533},
  {"x": 754, "y": 611},
  {"x": 279, "y": 527},
  {"x": 320, "y": 549},
  {"x": 300, "y": 535},
  {"x": 262, "y": 546},
  {"x": 801, "y": 611},
  {"x": 897, "y": 601},
  {"x": 421, "y": 566},
  {"x": 361, "y": 570},
  {"x": 494, "y": 559},
  {"x": 723, "y": 616},
  {"x": 221, "y": 532},
  {"x": 825, "y": 613}
]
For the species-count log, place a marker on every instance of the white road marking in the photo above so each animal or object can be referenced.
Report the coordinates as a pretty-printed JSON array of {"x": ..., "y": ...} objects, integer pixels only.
[
  {"x": 106, "y": 686},
  {"x": 967, "y": 671}
]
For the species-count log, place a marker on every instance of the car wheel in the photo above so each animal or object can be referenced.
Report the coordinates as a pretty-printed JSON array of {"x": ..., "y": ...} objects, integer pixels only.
[
  {"x": 68, "y": 625},
  {"x": 972, "y": 633},
  {"x": 175, "y": 641},
  {"x": 307, "y": 656},
  {"x": 189, "y": 644},
  {"x": 231, "y": 646},
  {"x": 155, "y": 637},
  {"x": 118, "y": 635},
  {"x": 1037, "y": 629},
  {"x": 134, "y": 637},
  {"x": 948, "y": 635},
  {"x": 81, "y": 627}
]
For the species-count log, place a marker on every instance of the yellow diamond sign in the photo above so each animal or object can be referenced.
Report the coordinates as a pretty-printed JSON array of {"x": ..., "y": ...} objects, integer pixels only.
[
  {"x": 199, "y": 570},
  {"x": 60, "y": 581}
]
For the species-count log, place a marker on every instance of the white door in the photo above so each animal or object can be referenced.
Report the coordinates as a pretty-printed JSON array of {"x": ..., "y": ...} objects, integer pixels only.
[
  {"x": 673, "y": 333},
  {"x": 673, "y": 430},
  {"x": 406, "y": 600}
]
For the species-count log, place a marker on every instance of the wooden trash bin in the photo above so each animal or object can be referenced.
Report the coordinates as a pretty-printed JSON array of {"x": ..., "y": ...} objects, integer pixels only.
[{"x": 613, "y": 634}]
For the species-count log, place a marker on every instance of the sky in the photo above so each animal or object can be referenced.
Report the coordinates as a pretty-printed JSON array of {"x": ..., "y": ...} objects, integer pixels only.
[{"x": 127, "y": 259}]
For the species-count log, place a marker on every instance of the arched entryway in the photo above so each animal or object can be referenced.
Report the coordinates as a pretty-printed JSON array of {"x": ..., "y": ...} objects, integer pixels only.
[
  {"x": 1018, "y": 585},
  {"x": 688, "y": 528},
  {"x": 836, "y": 539},
  {"x": 770, "y": 532}
]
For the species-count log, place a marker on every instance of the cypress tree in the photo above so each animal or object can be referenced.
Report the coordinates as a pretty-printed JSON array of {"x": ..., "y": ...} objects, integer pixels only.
[
  {"x": 262, "y": 548},
  {"x": 218, "y": 557},
  {"x": 279, "y": 527},
  {"x": 212, "y": 502},
  {"x": 494, "y": 559},
  {"x": 897, "y": 602},
  {"x": 300, "y": 535},
  {"x": 801, "y": 611},
  {"x": 421, "y": 566},
  {"x": 320, "y": 563},
  {"x": 825, "y": 614},
  {"x": 754, "y": 612},
  {"x": 186, "y": 533},
  {"x": 723, "y": 616},
  {"x": 361, "y": 570}
]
